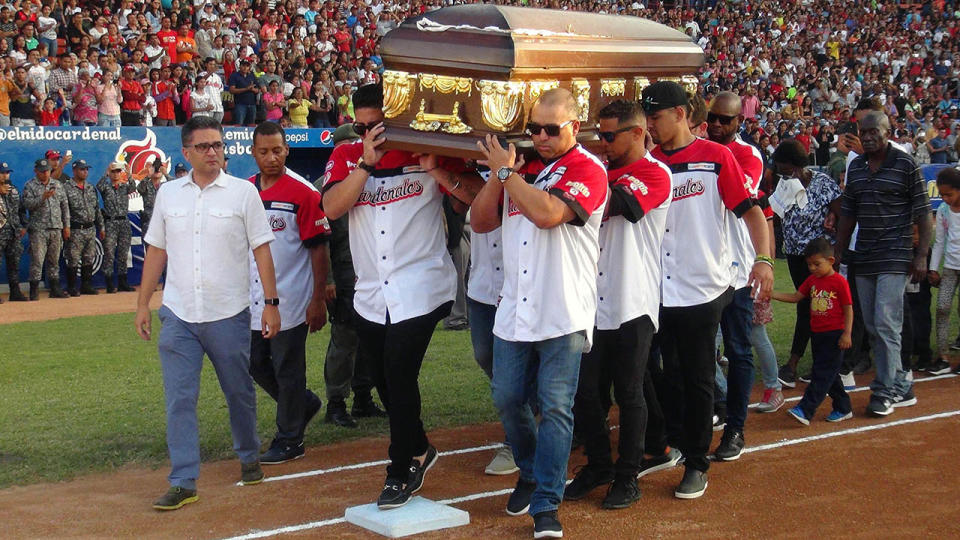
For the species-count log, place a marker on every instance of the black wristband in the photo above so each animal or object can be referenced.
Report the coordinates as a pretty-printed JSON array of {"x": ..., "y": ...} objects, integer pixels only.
[{"x": 367, "y": 167}]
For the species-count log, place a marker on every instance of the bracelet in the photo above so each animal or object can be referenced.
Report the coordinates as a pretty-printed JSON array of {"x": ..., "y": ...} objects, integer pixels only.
[
  {"x": 761, "y": 261},
  {"x": 455, "y": 186},
  {"x": 764, "y": 259}
]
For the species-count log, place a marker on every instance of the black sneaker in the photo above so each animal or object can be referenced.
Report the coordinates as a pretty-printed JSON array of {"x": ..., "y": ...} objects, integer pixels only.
[
  {"x": 939, "y": 367},
  {"x": 251, "y": 473},
  {"x": 787, "y": 377},
  {"x": 176, "y": 497},
  {"x": 418, "y": 471},
  {"x": 366, "y": 409},
  {"x": 957, "y": 369},
  {"x": 519, "y": 501},
  {"x": 623, "y": 492},
  {"x": 923, "y": 365},
  {"x": 862, "y": 366},
  {"x": 731, "y": 446},
  {"x": 879, "y": 406},
  {"x": 546, "y": 525},
  {"x": 719, "y": 423},
  {"x": 956, "y": 345},
  {"x": 906, "y": 400},
  {"x": 693, "y": 485},
  {"x": 337, "y": 414},
  {"x": 393, "y": 495},
  {"x": 281, "y": 452},
  {"x": 668, "y": 460},
  {"x": 586, "y": 480},
  {"x": 805, "y": 378}
]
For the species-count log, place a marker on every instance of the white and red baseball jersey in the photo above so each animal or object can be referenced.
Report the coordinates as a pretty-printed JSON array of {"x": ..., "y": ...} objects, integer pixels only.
[
  {"x": 550, "y": 278},
  {"x": 293, "y": 211},
  {"x": 628, "y": 278},
  {"x": 741, "y": 247},
  {"x": 397, "y": 236},
  {"x": 707, "y": 184},
  {"x": 486, "y": 267}
]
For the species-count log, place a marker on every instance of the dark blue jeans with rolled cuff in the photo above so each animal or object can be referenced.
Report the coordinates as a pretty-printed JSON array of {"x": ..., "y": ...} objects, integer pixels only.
[
  {"x": 825, "y": 375},
  {"x": 552, "y": 368},
  {"x": 736, "y": 323}
]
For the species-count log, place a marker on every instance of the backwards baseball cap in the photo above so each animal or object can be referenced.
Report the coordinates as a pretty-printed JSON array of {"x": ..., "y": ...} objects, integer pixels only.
[
  {"x": 4, "y": 168},
  {"x": 80, "y": 164},
  {"x": 52, "y": 154},
  {"x": 663, "y": 95},
  {"x": 41, "y": 165},
  {"x": 344, "y": 132}
]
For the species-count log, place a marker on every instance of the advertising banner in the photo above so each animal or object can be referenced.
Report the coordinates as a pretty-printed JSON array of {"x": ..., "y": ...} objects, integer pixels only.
[{"x": 139, "y": 148}]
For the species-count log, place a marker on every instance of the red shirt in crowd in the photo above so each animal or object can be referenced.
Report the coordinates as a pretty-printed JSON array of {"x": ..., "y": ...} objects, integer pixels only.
[
  {"x": 168, "y": 40},
  {"x": 827, "y": 296},
  {"x": 133, "y": 96}
]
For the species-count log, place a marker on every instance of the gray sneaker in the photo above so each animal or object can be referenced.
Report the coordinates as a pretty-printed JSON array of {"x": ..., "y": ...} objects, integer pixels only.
[
  {"x": 693, "y": 485},
  {"x": 772, "y": 401},
  {"x": 502, "y": 463}
]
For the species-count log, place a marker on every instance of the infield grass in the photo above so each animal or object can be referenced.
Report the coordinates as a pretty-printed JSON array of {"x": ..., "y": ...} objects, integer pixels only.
[{"x": 83, "y": 395}]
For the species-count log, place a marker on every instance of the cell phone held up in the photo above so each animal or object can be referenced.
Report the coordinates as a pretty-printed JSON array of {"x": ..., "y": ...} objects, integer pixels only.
[{"x": 851, "y": 128}]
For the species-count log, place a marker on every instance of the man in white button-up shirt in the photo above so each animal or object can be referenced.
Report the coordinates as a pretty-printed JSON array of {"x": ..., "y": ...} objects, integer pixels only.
[{"x": 203, "y": 228}]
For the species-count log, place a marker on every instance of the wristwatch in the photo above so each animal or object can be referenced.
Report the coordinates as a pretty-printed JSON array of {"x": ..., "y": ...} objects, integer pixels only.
[
  {"x": 271, "y": 301},
  {"x": 503, "y": 173},
  {"x": 366, "y": 167}
]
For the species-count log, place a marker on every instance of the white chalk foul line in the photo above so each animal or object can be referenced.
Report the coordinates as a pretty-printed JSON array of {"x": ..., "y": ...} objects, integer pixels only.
[
  {"x": 865, "y": 388},
  {"x": 501, "y": 492}
]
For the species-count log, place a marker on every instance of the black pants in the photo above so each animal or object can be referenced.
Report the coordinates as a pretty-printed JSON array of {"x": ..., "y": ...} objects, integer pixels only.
[
  {"x": 279, "y": 366},
  {"x": 396, "y": 353},
  {"x": 660, "y": 433},
  {"x": 623, "y": 354},
  {"x": 801, "y": 329},
  {"x": 687, "y": 343},
  {"x": 130, "y": 118},
  {"x": 825, "y": 375},
  {"x": 919, "y": 307}
]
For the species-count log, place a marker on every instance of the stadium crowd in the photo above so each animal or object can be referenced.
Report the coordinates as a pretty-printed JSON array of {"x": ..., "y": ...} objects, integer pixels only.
[{"x": 800, "y": 65}]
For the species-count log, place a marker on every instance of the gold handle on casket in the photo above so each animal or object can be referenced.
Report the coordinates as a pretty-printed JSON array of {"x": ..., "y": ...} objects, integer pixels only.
[
  {"x": 448, "y": 123},
  {"x": 501, "y": 103},
  {"x": 397, "y": 93}
]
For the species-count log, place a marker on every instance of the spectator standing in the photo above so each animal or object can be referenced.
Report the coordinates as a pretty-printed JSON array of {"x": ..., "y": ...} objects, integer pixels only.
[
  {"x": 206, "y": 301},
  {"x": 115, "y": 189},
  {"x": 186, "y": 46},
  {"x": 86, "y": 223},
  {"x": 274, "y": 101},
  {"x": 164, "y": 93},
  {"x": 13, "y": 226},
  {"x": 84, "y": 101},
  {"x": 200, "y": 101},
  {"x": 168, "y": 39},
  {"x": 47, "y": 30},
  {"x": 133, "y": 98},
  {"x": 213, "y": 86},
  {"x": 49, "y": 226},
  {"x": 885, "y": 254},
  {"x": 8, "y": 91},
  {"x": 243, "y": 86},
  {"x": 24, "y": 102},
  {"x": 938, "y": 147},
  {"x": 946, "y": 249}
]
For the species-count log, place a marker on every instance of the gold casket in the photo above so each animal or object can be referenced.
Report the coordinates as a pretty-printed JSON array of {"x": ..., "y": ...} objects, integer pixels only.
[{"x": 458, "y": 73}]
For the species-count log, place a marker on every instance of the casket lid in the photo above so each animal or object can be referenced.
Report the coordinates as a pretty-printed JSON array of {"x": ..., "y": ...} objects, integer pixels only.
[{"x": 503, "y": 42}]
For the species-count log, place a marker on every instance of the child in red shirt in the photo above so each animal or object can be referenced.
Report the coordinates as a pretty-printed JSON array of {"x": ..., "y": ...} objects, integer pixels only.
[
  {"x": 831, "y": 321},
  {"x": 50, "y": 114}
]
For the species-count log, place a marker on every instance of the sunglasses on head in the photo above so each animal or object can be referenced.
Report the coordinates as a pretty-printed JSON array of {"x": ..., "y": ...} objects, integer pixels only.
[
  {"x": 552, "y": 130},
  {"x": 609, "y": 136},
  {"x": 723, "y": 119}
]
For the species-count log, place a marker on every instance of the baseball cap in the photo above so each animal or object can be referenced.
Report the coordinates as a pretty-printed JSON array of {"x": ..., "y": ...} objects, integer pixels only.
[
  {"x": 115, "y": 166},
  {"x": 663, "y": 95},
  {"x": 52, "y": 154},
  {"x": 81, "y": 164},
  {"x": 4, "y": 168},
  {"x": 129, "y": 67},
  {"x": 344, "y": 132},
  {"x": 180, "y": 167},
  {"x": 41, "y": 165}
]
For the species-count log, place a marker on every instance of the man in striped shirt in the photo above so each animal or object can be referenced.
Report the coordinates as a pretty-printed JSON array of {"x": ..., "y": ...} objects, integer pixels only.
[{"x": 885, "y": 195}]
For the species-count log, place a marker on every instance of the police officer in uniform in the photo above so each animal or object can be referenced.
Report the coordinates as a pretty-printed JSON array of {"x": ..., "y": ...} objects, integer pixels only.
[
  {"x": 115, "y": 189},
  {"x": 13, "y": 222},
  {"x": 85, "y": 222},
  {"x": 147, "y": 188},
  {"x": 49, "y": 226}
]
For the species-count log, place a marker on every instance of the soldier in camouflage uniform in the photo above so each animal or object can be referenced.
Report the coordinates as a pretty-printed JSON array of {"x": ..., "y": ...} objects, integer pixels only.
[
  {"x": 13, "y": 223},
  {"x": 49, "y": 225},
  {"x": 148, "y": 192},
  {"x": 115, "y": 189},
  {"x": 85, "y": 223}
]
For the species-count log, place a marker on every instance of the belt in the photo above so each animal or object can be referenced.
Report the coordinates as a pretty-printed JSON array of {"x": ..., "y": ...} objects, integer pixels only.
[
  {"x": 80, "y": 226},
  {"x": 114, "y": 218}
]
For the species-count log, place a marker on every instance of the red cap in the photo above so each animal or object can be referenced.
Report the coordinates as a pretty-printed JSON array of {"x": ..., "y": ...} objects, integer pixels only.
[{"x": 52, "y": 154}]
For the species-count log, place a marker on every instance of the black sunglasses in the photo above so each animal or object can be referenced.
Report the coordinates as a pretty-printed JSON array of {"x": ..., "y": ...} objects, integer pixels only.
[
  {"x": 361, "y": 129},
  {"x": 552, "y": 130},
  {"x": 722, "y": 118},
  {"x": 609, "y": 136}
]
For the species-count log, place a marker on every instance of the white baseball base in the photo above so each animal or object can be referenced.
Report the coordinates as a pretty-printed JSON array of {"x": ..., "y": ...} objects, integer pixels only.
[{"x": 417, "y": 516}]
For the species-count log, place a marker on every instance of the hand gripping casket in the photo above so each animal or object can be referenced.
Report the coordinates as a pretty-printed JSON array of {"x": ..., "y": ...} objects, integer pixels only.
[{"x": 458, "y": 73}]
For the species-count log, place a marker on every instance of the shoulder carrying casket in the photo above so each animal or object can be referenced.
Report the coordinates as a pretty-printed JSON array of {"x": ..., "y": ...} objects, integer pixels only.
[{"x": 458, "y": 73}]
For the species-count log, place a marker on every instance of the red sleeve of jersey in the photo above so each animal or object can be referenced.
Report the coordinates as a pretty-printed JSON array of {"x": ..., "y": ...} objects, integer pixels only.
[
  {"x": 342, "y": 162},
  {"x": 311, "y": 220},
  {"x": 804, "y": 287},
  {"x": 583, "y": 187},
  {"x": 453, "y": 165},
  {"x": 843, "y": 291},
  {"x": 752, "y": 166},
  {"x": 730, "y": 180},
  {"x": 649, "y": 185}
]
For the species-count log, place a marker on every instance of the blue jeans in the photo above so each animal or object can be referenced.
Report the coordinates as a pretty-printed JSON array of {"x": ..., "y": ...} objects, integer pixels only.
[
  {"x": 825, "y": 375},
  {"x": 108, "y": 120},
  {"x": 481, "y": 317},
  {"x": 244, "y": 114},
  {"x": 766, "y": 357},
  {"x": 736, "y": 324},
  {"x": 881, "y": 301},
  {"x": 181, "y": 346},
  {"x": 540, "y": 454}
]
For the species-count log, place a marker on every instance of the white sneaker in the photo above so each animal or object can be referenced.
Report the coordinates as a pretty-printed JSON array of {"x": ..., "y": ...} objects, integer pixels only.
[
  {"x": 502, "y": 463},
  {"x": 849, "y": 383}
]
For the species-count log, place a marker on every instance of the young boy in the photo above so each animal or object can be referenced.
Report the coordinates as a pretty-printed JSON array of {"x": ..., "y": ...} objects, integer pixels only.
[{"x": 831, "y": 321}]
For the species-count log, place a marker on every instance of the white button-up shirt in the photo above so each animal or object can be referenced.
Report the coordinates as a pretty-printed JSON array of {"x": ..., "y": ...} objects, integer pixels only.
[{"x": 207, "y": 234}]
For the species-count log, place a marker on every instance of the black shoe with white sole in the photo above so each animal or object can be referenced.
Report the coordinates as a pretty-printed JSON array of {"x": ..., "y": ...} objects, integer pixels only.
[
  {"x": 668, "y": 460},
  {"x": 906, "y": 400},
  {"x": 693, "y": 485},
  {"x": 623, "y": 493},
  {"x": 939, "y": 367},
  {"x": 393, "y": 495},
  {"x": 281, "y": 452},
  {"x": 418, "y": 471},
  {"x": 588, "y": 478},
  {"x": 546, "y": 525},
  {"x": 731, "y": 446},
  {"x": 519, "y": 502},
  {"x": 879, "y": 406}
]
